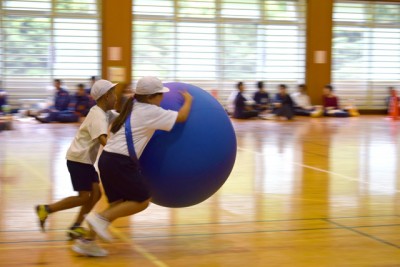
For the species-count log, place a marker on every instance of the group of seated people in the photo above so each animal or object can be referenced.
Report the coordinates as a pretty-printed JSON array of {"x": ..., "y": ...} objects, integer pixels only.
[
  {"x": 3, "y": 100},
  {"x": 67, "y": 108},
  {"x": 5, "y": 122},
  {"x": 286, "y": 106}
]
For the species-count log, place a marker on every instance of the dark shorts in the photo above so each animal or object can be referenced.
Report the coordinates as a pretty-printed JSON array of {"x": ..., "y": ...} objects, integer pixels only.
[
  {"x": 82, "y": 175},
  {"x": 122, "y": 179}
]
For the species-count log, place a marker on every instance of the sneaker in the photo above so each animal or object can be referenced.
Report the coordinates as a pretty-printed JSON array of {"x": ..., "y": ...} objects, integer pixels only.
[
  {"x": 88, "y": 248},
  {"x": 42, "y": 213},
  {"x": 77, "y": 232},
  {"x": 99, "y": 225}
]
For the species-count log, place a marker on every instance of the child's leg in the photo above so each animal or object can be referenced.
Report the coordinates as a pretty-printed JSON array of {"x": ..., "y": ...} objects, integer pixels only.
[
  {"x": 43, "y": 211},
  {"x": 76, "y": 231},
  {"x": 124, "y": 209},
  {"x": 92, "y": 234},
  {"x": 99, "y": 222},
  {"x": 70, "y": 202},
  {"x": 95, "y": 196}
]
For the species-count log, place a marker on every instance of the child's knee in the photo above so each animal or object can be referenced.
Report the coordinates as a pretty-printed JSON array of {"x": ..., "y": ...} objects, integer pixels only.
[
  {"x": 96, "y": 196},
  {"x": 84, "y": 196},
  {"x": 96, "y": 192}
]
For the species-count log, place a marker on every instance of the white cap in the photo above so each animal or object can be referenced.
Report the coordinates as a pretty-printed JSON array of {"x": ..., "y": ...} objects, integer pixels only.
[
  {"x": 150, "y": 85},
  {"x": 100, "y": 87}
]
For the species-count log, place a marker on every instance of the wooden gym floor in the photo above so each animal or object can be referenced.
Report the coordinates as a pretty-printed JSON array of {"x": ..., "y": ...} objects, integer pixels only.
[{"x": 312, "y": 192}]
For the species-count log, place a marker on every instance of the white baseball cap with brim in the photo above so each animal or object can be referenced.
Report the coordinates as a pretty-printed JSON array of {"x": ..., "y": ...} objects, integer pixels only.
[
  {"x": 101, "y": 87},
  {"x": 150, "y": 85}
]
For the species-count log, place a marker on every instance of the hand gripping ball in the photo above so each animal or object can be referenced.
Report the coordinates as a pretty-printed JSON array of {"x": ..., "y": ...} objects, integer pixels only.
[{"x": 191, "y": 162}]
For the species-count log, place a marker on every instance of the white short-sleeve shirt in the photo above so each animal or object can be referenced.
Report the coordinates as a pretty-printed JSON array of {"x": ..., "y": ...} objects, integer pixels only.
[
  {"x": 85, "y": 146},
  {"x": 145, "y": 120},
  {"x": 301, "y": 100}
]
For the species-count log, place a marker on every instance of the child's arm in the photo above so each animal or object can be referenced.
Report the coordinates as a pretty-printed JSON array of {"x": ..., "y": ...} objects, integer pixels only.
[
  {"x": 183, "y": 113},
  {"x": 103, "y": 139}
]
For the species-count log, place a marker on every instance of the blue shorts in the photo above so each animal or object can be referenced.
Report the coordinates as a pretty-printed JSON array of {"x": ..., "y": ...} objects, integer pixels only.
[
  {"x": 122, "y": 179},
  {"x": 82, "y": 175}
]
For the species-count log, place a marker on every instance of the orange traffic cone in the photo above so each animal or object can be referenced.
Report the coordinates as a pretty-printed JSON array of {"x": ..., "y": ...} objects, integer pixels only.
[{"x": 394, "y": 106}]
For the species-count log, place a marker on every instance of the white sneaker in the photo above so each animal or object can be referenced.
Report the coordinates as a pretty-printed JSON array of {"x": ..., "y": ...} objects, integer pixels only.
[
  {"x": 88, "y": 248},
  {"x": 99, "y": 225}
]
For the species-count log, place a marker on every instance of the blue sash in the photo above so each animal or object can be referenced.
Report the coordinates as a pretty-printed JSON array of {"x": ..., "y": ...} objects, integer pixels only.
[{"x": 129, "y": 139}]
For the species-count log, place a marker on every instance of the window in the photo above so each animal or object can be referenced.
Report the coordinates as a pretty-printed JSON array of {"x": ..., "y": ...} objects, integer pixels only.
[
  {"x": 215, "y": 43},
  {"x": 154, "y": 7},
  {"x": 154, "y": 46},
  {"x": 196, "y": 51},
  {"x": 41, "y": 40},
  {"x": 240, "y": 9},
  {"x": 366, "y": 51},
  {"x": 197, "y": 9}
]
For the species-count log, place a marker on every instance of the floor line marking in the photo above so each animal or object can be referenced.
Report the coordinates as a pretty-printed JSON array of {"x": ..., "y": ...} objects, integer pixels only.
[
  {"x": 138, "y": 248},
  {"x": 341, "y": 226},
  {"x": 325, "y": 171},
  {"x": 148, "y": 255},
  {"x": 32, "y": 170},
  {"x": 218, "y": 223}
]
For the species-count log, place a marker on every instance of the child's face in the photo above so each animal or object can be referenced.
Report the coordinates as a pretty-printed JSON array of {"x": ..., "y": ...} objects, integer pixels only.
[
  {"x": 57, "y": 84},
  {"x": 111, "y": 99},
  {"x": 157, "y": 99},
  {"x": 81, "y": 91}
]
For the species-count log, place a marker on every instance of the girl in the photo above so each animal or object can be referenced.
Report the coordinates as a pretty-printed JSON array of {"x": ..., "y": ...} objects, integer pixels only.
[
  {"x": 119, "y": 168},
  {"x": 81, "y": 156},
  {"x": 331, "y": 103}
]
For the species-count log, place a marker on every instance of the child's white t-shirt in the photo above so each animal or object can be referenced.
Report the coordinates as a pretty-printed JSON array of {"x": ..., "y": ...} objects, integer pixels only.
[
  {"x": 301, "y": 100},
  {"x": 145, "y": 120},
  {"x": 85, "y": 146}
]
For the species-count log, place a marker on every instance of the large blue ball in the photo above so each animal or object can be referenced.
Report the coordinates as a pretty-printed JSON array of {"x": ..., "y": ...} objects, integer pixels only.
[{"x": 190, "y": 163}]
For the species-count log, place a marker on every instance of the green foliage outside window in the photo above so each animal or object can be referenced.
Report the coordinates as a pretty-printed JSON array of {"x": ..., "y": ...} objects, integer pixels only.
[{"x": 27, "y": 45}]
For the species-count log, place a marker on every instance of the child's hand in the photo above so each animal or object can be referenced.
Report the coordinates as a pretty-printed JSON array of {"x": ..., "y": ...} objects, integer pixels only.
[
  {"x": 186, "y": 95},
  {"x": 183, "y": 113}
]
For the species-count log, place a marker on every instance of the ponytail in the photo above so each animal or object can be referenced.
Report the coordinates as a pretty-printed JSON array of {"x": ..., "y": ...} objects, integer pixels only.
[
  {"x": 120, "y": 120},
  {"x": 127, "y": 108}
]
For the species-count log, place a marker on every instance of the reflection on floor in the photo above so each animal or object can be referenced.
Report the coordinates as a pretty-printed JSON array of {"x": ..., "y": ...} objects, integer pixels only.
[{"x": 312, "y": 192}]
